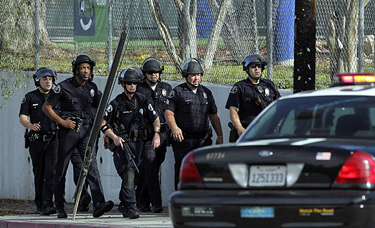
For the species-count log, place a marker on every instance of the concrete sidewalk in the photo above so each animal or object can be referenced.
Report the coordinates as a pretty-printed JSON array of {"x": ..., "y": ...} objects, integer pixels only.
[{"x": 109, "y": 220}]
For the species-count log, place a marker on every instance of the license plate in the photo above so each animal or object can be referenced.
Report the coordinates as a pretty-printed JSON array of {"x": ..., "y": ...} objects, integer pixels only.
[
  {"x": 267, "y": 175},
  {"x": 257, "y": 212}
]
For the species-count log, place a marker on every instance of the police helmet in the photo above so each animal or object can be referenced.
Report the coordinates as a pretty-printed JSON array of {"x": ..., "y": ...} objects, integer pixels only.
[
  {"x": 152, "y": 64},
  {"x": 132, "y": 74},
  {"x": 192, "y": 66},
  {"x": 82, "y": 58},
  {"x": 44, "y": 72},
  {"x": 255, "y": 58}
]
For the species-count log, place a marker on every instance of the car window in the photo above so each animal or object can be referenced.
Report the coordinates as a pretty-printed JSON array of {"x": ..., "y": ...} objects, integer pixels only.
[{"x": 335, "y": 116}]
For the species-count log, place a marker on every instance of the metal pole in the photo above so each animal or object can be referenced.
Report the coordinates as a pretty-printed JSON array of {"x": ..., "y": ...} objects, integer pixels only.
[
  {"x": 269, "y": 40},
  {"x": 187, "y": 27},
  {"x": 37, "y": 32},
  {"x": 361, "y": 35},
  {"x": 110, "y": 32}
]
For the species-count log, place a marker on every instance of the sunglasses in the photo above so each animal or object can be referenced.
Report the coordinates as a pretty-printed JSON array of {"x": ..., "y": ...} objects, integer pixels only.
[
  {"x": 152, "y": 72},
  {"x": 253, "y": 65},
  {"x": 131, "y": 83}
]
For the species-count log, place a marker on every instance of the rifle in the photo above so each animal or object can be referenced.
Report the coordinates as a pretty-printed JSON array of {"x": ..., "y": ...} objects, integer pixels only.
[
  {"x": 97, "y": 123},
  {"x": 130, "y": 155}
]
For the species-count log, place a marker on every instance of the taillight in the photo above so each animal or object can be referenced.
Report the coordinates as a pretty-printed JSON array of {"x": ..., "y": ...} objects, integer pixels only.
[
  {"x": 359, "y": 168},
  {"x": 189, "y": 172}
]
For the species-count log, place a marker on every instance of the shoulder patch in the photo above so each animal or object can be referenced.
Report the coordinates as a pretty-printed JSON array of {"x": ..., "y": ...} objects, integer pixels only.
[
  {"x": 23, "y": 100},
  {"x": 150, "y": 107},
  {"x": 234, "y": 89},
  {"x": 171, "y": 95},
  {"x": 109, "y": 109},
  {"x": 57, "y": 89}
]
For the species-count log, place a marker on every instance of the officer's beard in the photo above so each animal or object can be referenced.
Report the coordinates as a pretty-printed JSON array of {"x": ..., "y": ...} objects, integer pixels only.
[{"x": 193, "y": 85}]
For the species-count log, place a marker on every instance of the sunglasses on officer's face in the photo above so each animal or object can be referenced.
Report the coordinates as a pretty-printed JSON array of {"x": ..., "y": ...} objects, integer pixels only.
[
  {"x": 253, "y": 65},
  {"x": 131, "y": 83}
]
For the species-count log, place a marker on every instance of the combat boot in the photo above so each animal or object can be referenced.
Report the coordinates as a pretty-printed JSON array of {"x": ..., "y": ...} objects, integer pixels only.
[
  {"x": 102, "y": 208},
  {"x": 84, "y": 203},
  {"x": 132, "y": 212}
]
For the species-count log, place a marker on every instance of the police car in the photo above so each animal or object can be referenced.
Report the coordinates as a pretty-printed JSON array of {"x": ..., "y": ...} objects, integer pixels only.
[{"x": 306, "y": 161}]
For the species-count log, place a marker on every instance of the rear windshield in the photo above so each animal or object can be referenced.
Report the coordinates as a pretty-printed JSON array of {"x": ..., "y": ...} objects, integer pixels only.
[{"x": 331, "y": 116}]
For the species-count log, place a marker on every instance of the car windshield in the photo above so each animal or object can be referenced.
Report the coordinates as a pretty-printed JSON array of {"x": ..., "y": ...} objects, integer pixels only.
[{"x": 316, "y": 117}]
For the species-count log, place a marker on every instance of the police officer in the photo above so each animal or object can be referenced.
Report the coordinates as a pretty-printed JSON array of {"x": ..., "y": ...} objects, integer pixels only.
[
  {"x": 129, "y": 122},
  {"x": 156, "y": 92},
  {"x": 250, "y": 96},
  {"x": 41, "y": 139},
  {"x": 191, "y": 106},
  {"x": 78, "y": 98}
]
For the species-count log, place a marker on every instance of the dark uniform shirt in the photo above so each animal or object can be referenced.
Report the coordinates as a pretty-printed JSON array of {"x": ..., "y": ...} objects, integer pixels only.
[
  {"x": 32, "y": 105},
  {"x": 244, "y": 95},
  {"x": 158, "y": 97},
  {"x": 76, "y": 100},
  {"x": 191, "y": 109},
  {"x": 120, "y": 112}
]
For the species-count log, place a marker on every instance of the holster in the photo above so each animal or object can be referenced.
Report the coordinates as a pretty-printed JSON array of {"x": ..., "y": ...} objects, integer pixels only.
[
  {"x": 27, "y": 138},
  {"x": 233, "y": 135}
]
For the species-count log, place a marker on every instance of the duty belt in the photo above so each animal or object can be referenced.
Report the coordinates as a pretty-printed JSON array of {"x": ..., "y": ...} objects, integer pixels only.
[
  {"x": 194, "y": 136},
  {"x": 42, "y": 137}
]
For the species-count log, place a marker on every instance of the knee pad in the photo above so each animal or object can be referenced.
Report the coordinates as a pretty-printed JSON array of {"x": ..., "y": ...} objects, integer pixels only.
[{"x": 128, "y": 178}]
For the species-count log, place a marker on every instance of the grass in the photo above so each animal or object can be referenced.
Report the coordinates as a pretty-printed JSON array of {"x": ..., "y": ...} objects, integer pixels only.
[{"x": 224, "y": 70}]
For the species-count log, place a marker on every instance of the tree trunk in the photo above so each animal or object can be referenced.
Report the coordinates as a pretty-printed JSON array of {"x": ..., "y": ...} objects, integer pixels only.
[
  {"x": 17, "y": 26},
  {"x": 342, "y": 34},
  {"x": 167, "y": 39}
]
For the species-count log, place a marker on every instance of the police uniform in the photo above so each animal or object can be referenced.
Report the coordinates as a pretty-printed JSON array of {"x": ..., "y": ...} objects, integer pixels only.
[
  {"x": 148, "y": 187},
  {"x": 127, "y": 119},
  {"x": 41, "y": 148},
  {"x": 191, "y": 111},
  {"x": 244, "y": 95},
  {"x": 77, "y": 102}
]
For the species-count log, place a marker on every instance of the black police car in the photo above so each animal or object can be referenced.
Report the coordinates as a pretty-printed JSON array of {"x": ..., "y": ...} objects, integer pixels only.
[{"x": 306, "y": 161}]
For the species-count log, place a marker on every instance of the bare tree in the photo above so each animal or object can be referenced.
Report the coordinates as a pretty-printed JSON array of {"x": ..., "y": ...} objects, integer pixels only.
[
  {"x": 191, "y": 17},
  {"x": 342, "y": 34}
]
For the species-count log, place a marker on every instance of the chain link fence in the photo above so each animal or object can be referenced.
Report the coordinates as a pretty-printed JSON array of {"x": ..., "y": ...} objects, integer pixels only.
[{"x": 345, "y": 37}]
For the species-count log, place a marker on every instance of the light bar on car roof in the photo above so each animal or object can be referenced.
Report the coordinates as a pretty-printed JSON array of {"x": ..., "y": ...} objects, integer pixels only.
[{"x": 354, "y": 78}]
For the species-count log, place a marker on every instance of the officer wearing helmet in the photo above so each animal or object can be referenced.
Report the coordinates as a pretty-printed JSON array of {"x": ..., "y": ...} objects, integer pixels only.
[
  {"x": 191, "y": 107},
  {"x": 79, "y": 98},
  {"x": 250, "y": 96},
  {"x": 40, "y": 139},
  {"x": 156, "y": 92},
  {"x": 130, "y": 120}
]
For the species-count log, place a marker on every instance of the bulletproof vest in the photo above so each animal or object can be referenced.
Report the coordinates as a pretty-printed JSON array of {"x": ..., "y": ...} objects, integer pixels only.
[
  {"x": 191, "y": 111},
  {"x": 37, "y": 115},
  {"x": 79, "y": 99},
  {"x": 127, "y": 117},
  {"x": 158, "y": 98}
]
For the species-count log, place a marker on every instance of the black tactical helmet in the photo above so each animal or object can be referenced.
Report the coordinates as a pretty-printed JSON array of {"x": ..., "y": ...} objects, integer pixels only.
[
  {"x": 192, "y": 66},
  {"x": 44, "y": 72},
  {"x": 132, "y": 74},
  {"x": 152, "y": 64},
  {"x": 255, "y": 58},
  {"x": 82, "y": 58}
]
